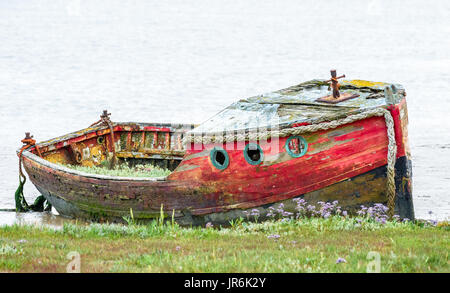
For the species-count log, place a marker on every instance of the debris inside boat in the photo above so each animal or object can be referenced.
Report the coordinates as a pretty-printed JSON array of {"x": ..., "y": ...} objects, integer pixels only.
[{"x": 320, "y": 140}]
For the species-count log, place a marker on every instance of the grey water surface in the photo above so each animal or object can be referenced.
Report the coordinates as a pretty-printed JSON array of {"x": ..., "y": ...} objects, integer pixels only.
[{"x": 63, "y": 62}]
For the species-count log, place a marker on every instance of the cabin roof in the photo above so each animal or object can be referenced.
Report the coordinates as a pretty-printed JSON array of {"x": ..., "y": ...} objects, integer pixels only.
[{"x": 297, "y": 104}]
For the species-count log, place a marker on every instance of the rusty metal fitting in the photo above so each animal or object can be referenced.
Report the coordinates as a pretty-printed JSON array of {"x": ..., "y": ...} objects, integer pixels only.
[
  {"x": 105, "y": 115},
  {"x": 28, "y": 139},
  {"x": 334, "y": 83}
]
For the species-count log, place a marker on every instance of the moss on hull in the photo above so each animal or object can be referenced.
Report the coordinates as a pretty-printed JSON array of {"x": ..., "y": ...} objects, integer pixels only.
[{"x": 122, "y": 170}]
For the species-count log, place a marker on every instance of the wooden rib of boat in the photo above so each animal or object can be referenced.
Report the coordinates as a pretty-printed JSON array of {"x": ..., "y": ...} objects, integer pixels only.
[{"x": 217, "y": 182}]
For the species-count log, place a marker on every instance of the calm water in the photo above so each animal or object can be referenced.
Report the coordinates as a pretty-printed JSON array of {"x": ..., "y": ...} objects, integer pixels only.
[{"x": 63, "y": 62}]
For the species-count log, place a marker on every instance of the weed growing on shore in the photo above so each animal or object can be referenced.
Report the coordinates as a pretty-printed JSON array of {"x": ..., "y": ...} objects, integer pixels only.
[{"x": 323, "y": 239}]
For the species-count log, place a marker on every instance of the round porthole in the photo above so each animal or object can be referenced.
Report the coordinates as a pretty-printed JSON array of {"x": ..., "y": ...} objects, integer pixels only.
[
  {"x": 100, "y": 140},
  {"x": 296, "y": 146},
  {"x": 219, "y": 158},
  {"x": 253, "y": 154},
  {"x": 78, "y": 157}
]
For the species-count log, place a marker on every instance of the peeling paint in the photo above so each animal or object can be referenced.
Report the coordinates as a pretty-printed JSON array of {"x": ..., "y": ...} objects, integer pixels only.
[
  {"x": 320, "y": 147},
  {"x": 344, "y": 130},
  {"x": 186, "y": 167},
  {"x": 351, "y": 157}
]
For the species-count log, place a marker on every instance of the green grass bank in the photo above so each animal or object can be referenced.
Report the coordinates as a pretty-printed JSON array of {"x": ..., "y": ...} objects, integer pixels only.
[{"x": 335, "y": 244}]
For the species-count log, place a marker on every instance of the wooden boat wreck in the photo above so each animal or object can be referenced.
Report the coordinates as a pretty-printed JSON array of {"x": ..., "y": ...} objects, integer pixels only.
[{"x": 349, "y": 144}]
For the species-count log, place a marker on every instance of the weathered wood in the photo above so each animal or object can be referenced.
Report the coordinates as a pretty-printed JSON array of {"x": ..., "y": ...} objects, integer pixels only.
[
  {"x": 347, "y": 164},
  {"x": 332, "y": 100}
]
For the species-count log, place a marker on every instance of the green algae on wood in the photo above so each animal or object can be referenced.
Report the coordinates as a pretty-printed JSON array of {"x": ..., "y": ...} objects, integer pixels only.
[{"x": 123, "y": 170}]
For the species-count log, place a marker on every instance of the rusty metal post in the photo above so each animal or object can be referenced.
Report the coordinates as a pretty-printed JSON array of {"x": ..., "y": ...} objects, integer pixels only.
[
  {"x": 105, "y": 119},
  {"x": 334, "y": 83}
]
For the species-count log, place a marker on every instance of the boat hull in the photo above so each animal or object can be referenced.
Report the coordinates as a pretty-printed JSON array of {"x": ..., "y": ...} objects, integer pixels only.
[
  {"x": 346, "y": 163},
  {"x": 83, "y": 198}
]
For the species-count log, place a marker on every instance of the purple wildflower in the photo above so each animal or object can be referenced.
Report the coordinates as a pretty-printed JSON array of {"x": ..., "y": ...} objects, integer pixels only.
[
  {"x": 209, "y": 225},
  {"x": 271, "y": 212},
  {"x": 432, "y": 222},
  {"x": 300, "y": 201},
  {"x": 254, "y": 213},
  {"x": 286, "y": 214},
  {"x": 280, "y": 208},
  {"x": 341, "y": 260},
  {"x": 273, "y": 236},
  {"x": 301, "y": 207}
]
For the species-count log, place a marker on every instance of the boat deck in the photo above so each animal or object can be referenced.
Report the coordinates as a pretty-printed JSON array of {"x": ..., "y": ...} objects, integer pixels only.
[{"x": 297, "y": 105}]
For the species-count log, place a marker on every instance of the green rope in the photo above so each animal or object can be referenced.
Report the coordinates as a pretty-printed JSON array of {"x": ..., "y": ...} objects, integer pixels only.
[
  {"x": 21, "y": 204},
  {"x": 40, "y": 203}
]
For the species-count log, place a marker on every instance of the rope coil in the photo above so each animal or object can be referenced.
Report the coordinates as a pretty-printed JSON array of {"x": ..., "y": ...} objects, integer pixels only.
[{"x": 264, "y": 135}]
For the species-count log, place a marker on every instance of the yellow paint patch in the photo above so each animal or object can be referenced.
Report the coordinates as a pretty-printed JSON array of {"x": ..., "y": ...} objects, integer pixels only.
[
  {"x": 364, "y": 83},
  {"x": 57, "y": 157}
]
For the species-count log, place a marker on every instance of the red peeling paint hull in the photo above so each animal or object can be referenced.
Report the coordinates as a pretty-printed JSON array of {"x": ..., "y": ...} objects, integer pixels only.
[{"x": 347, "y": 164}]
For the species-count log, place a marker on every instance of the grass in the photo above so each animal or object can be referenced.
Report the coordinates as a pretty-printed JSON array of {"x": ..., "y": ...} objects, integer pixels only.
[
  {"x": 124, "y": 170},
  {"x": 304, "y": 245}
]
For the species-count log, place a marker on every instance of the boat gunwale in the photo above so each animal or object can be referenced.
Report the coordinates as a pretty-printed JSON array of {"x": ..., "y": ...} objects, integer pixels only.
[
  {"x": 53, "y": 141},
  {"x": 91, "y": 129},
  {"x": 29, "y": 155}
]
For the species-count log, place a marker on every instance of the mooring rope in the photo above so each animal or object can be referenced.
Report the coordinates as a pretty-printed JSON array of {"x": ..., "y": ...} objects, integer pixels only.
[
  {"x": 264, "y": 135},
  {"x": 40, "y": 204}
]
